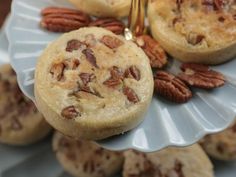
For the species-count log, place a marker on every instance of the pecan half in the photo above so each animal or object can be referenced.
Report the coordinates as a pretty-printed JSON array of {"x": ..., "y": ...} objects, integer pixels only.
[
  {"x": 131, "y": 95},
  {"x": 70, "y": 112},
  {"x": 116, "y": 77},
  {"x": 86, "y": 77},
  {"x": 71, "y": 63},
  {"x": 111, "y": 42},
  {"x": 111, "y": 24},
  {"x": 63, "y": 20},
  {"x": 112, "y": 82},
  {"x": 201, "y": 76},
  {"x": 90, "y": 57},
  {"x": 153, "y": 50},
  {"x": 73, "y": 45},
  {"x": 172, "y": 88},
  {"x": 133, "y": 72},
  {"x": 57, "y": 70},
  {"x": 117, "y": 73}
]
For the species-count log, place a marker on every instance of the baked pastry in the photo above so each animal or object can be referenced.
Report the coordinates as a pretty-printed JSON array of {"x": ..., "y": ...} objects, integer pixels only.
[
  {"x": 20, "y": 121},
  {"x": 98, "y": 83},
  {"x": 85, "y": 158},
  {"x": 104, "y": 8},
  {"x": 171, "y": 162},
  {"x": 196, "y": 31},
  {"x": 221, "y": 146}
]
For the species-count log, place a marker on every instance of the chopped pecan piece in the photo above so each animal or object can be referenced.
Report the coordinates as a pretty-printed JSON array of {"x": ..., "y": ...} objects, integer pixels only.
[
  {"x": 201, "y": 76},
  {"x": 116, "y": 78},
  {"x": 112, "y": 82},
  {"x": 172, "y": 88},
  {"x": 73, "y": 45},
  {"x": 194, "y": 38},
  {"x": 153, "y": 50},
  {"x": 86, "y": 78},
  {"x": 57, "y": 70},
  {"x": 117, "y": 73},
  {"x": 133, "y": 72},
  {"x": 90, "y": 57},
  {"x": 179, "y": 3},
  {"x": 63, "y": 20},
  {"x": 111, "y": 24},
  {"x": 70, "y": 112},
  {"x": 131, "y": 95},
  {"x": 111, "y": 42},
  {"x": 71, "y": 63}
]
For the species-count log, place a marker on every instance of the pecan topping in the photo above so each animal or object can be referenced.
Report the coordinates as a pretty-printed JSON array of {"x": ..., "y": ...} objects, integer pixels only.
[
  {"x": 111, "y": 24},
  {"x": 112, "y": 82},
  {"x": 194, "y": 38},
  {"x": 172, "y": 88},
  {"x": 179, "y": 3},
  {"x": 73, "y": 45},
  {"x": 63, "y": 20},
  {"x": 201, "y": 76},
  {"x": 133, "y": 72},
  {"x": 131, "y": 95},
  {"x": 116, "y": 78},
  {"x": 86, "y": 77},
  {"x": 57, "y": 71},
  {"x": 70, "y": 112},
  {"x": 153, "y": 50},
  {"x": 117, "y": 73},
  {"x": 71, "y": 63},
  {"x": 90, "y": 57},
  {"x": 179, "y": 168},
  {"x": 111, "y": 42}
]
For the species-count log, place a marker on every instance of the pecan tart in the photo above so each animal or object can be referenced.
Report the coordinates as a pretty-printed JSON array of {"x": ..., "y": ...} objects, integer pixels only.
[
  {"x": 197, "y": 31},
  {"x": 20, "y": 121},
  {"x": 93, "y": 84}
]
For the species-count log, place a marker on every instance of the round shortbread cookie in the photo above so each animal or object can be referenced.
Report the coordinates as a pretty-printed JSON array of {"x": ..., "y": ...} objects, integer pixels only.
[
  {"x": 92, "y": 84},
  {"x": 85, "y": 158},
  {"x": 104, "y": 8},
  {"x": 221, "y": 146},
  {"x": 171, "y": 162},
  {"x": 20, "y": 121},
  {"x": 197, "y": 31}
]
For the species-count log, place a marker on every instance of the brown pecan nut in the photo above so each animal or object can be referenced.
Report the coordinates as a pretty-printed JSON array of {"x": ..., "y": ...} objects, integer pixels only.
[
  {"x": 133, "y": 72},
  {"x": 117, "y": 73},
  {"x": 172, "y": 88},
  {"x": 73, "y": 45},
  {"x": 86, "y": 78},
  {"x": 70, "y": 112},
  {"x": 90, "y": 57},
  {"x": 71, "y": 64},
  {"x": 153, "y": 50},
  {"x": 194, "y": 38},
  {"x": 111, "y": 24},
  {"x": 131, "y": 95},
  {"x": 57, "y": 70},
  {"x": 111, "y": 42},
  {"x": 63, "y": 20},
  {"x": 201, "y": 76}
]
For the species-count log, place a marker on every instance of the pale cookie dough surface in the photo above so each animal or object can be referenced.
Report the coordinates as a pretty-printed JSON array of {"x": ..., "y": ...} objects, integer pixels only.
[
  {"x": 20, "y": 121},
  {"x": 171, "y": 162},
  {"x": 93, "y": 84},
  {"x": 198, "y": 31},
  {"x": 85, "y": 158},
  {"x": 221, "y": 146},
  {"x": 104, "y": 8}
]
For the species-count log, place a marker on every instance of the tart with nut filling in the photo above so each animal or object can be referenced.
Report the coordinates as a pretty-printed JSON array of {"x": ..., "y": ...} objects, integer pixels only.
[
  {"x": 93, "y": 84},
  {"x": 20, "y": 121},
  {"x": 198, "y": 31},
  {"x": 103, "y": 8},
  {"x": 171, "y": 162},
  {"x": 85, "y": 158}
]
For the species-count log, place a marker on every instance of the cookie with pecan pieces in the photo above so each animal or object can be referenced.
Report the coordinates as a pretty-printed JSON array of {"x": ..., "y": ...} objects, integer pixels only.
[
  {"x": 20, "y": 121},
  {"x": 103, "y": 8},
  {"x": 93, "y": 84},
  {"x": 196, "y": 31},
  {"x": 221, "y": 146},
  {"x": 86, "y": 158},
  {"x": 171, "y": 162}
]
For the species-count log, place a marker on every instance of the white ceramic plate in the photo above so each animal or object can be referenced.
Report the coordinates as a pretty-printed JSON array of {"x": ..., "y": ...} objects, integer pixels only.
[
  {"x": 166, "y": 123},
  {"x": 39, "y": 161}
]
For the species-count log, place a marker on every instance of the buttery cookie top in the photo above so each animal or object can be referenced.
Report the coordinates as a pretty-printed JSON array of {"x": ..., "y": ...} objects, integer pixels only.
[
  {"x": 197, "y": 23},
  {"x": 94, "y": 78}
]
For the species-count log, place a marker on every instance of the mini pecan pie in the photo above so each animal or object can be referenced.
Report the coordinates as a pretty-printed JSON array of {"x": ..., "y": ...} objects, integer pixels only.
[
  {"x": 104, "y": 8},
  {"x": 221, "y": 146},
  {"x": 20, "y": 121},
  {"x": 93, "y": 84},
  {"x": 170, "y": 162},
  {"x": 198, "y": 31},
  {"x": 86, "y": 159}
]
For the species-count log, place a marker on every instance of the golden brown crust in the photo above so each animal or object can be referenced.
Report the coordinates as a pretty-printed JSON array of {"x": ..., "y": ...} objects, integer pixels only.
[
  {"x": 195, "y": 31},
  {"x": 83, "y": 74}
]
